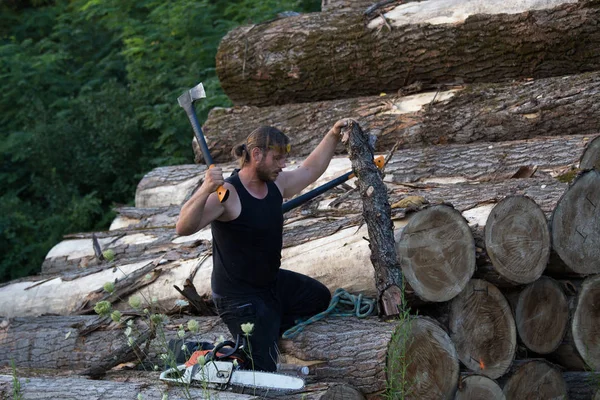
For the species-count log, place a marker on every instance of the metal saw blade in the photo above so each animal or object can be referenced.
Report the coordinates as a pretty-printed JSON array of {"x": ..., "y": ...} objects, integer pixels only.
[{"x": 266, "y": 380}]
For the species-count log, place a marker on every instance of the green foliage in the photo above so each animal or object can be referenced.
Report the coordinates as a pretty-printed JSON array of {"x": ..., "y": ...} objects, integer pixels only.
[{"x": 88, "y": 93}]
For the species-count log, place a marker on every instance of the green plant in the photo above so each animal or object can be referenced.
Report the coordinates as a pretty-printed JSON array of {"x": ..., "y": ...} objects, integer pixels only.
[
  {"x": 17, "y": 395},
  {"x": 398, "y": 384}
]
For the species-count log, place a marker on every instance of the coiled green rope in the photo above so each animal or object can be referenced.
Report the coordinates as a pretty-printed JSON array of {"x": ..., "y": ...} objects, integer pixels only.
[{"x": 343, "y": 304}]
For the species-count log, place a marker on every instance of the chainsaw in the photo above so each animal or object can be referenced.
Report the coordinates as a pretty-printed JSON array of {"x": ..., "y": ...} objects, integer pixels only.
[{"x": 221, "y": 369}]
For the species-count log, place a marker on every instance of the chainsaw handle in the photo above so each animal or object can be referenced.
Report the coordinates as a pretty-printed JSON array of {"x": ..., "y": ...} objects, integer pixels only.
[{"x": 214, "y": 353}]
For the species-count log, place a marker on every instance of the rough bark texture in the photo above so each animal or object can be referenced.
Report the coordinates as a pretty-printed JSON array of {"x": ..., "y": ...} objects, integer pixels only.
[
  {"x": 437, "y": 253},
  {"x": 346, "y": 5},
  {"x": 75, "y": 388},
  {"x": 482, "y": 328},
  {"x": 324, "y": 56},
  {"x": 567, "y": 105},
  {"x": 542, "y": 315},
  {"x": 128, "y": 245},
  {"x": 422, "y": 362},
  {"x": 517, "y": 239},
  {"x": 83, "y": 342},
  {"x": 576, "y": 225},
  {"x": 535, "y": 379},
  {"x": 591, "y": 156},
  {"x": 478, "y": 387},
  {"x": 335, "y": 349},
  {"x": 377, "y": 214}
]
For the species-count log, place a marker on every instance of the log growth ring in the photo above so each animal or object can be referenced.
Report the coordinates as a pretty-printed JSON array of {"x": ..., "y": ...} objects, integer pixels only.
[
  {"x": 517, "y": 239},
  {"x": 586, "y": 322},
  {"x": 542, "y": 315},
  {"x": 436, "y": 251},
  {"x": 483, "y": 330},
  {"x": 576, "y": 225}
]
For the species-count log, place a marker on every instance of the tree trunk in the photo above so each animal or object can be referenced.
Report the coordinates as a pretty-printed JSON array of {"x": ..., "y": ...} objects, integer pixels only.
[
  {"x": 145, "y": 218},
  {"x": 377, "y": 214},
  {"x": 542, "y": 315},
  {"x": 437, "y": 253},
  {"x": 517, "y": 239},
  {"x": 575, "y": 225},
  {"x": 478, "y": 387},
  {"x": 84, "y": 342},
  {"x": 567, "y": 105},
  {"x": 422, "y": 363},
  {"x": 535, "y": 379},
  {"x": 483, "y": 329},
  {"x": 323, "y": 56},
  {"x": 75, "y": 388},
  {"x": 591, "y": 156}
]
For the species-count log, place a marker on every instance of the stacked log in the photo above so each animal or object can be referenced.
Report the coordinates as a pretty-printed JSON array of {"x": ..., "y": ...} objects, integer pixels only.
[{"x": 484, "y": 115}]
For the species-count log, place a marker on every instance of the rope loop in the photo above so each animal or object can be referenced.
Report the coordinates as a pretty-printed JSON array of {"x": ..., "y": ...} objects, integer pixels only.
[{"x": 342, "y": 304}]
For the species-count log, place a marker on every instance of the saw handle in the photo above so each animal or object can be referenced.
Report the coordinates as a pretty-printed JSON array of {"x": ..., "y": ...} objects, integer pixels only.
[
  {"x": 222, "y": 193},
  {"x": 214, "y": 354}
]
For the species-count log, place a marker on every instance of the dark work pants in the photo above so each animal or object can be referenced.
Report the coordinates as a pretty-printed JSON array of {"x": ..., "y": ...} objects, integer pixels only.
[{"x": 272, "y": 313}]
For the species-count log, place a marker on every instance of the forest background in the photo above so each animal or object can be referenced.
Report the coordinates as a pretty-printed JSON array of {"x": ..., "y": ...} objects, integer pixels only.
[{"x": 88, "y": 105}]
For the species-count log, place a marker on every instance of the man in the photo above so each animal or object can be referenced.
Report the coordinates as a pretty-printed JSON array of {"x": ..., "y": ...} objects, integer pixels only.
[{"x": 247, "y": 284}]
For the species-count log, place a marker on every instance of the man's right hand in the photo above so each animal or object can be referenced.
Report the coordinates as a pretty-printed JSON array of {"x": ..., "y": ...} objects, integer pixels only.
[{"x": 213, "y": 179}]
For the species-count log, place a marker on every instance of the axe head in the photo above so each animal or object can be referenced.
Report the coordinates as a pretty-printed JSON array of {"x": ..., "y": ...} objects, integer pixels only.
[{"x": 190, "y": 96}]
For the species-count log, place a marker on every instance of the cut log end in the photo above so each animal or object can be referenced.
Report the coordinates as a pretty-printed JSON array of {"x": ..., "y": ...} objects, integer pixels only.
[
  {"x": 483, "y": 329},
  {"x": 422, "y": 361},
  {"x": 536, "y": 380},
  {"x": 542, "y": 315},
  {"x": 591, "y": 156},
  {"x": 586, "y": 323},
  {"x": 479, "y": 387},
  {"x": 576, "y": 225},
  {"x": 436, "y": 251},
  {"x": 517, "y": 239}
]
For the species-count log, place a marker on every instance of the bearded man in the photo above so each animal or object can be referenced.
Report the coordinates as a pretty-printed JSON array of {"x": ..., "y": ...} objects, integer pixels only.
[{"x": 248, "y": 287}]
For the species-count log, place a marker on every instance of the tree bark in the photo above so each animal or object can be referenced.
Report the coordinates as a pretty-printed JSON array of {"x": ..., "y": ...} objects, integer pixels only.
[
  {"x": 478, "y": 387},
  {"x": 437, "y": 253},
  {"x": 535, "y": 379},
  {"x": 75, "y": 388},
  {"x": 482, "y": 328},
  {"x": 377, "y": 214},
  {"x": 85, "y": 342},
  {"x": 517, "y": 239},
  {"x": 325, "y": 56},
  {"x": 575, "y": 225},
  {"x": 474, "y": 113},
  {"x": 591, "y": 156},
  {"x": 542, "y": 315},
  {"x": 346, "y": 5}
]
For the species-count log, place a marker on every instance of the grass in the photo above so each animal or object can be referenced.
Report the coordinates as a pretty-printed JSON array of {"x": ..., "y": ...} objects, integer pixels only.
[
  {"x": 398, "y": 384},
  {"x": 17, "y": 395}
]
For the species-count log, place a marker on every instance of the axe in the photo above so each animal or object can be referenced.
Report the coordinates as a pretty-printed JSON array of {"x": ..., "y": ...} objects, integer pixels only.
[
  {"x": 186, "y": 101},
  {"x": 297, "y": 201}
]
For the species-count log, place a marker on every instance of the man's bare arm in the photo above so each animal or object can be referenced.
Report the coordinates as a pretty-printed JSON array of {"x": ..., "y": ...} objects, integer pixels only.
[
  {"x": 292, "y": 182},
  {"x": 203, "y": 207}
]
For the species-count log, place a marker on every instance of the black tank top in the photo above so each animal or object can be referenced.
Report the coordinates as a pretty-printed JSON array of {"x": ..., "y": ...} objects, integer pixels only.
[{"x": 247, "y": 250}]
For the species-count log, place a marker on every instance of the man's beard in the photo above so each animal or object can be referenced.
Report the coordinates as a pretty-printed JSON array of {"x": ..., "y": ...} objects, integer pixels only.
[{"x": 265, "y": 174}]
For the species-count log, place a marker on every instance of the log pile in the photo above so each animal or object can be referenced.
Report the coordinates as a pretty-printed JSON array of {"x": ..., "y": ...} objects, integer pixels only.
[{"x": 488, "y": 118}]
